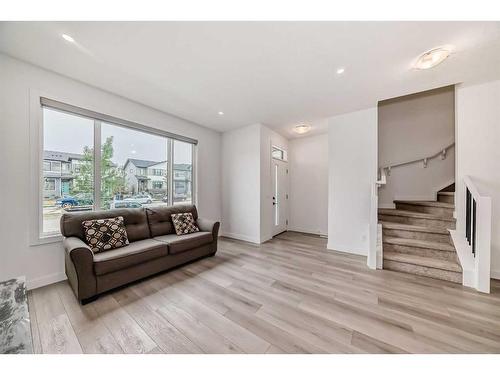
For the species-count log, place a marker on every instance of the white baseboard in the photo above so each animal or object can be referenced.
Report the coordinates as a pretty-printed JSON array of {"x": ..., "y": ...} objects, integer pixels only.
[
  {"x": 241, "y": 237},
  {"x": 386, "y": 205},
  {"x": 495, "y": 274},
  {"x": 301, "y": 230},
  {"x": 344, "y": 249},
  {"x": 45, "y": 280}
]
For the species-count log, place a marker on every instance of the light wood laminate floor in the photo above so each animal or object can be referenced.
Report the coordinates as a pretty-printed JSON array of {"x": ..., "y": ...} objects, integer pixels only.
[{"x": 289, "y": 295}]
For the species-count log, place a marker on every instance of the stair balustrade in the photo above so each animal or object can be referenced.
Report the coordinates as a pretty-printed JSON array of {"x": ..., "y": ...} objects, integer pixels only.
[{"x": 477, "y": 232}]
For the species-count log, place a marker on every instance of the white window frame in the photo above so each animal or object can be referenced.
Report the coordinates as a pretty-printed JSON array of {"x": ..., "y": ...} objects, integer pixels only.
[
  {"x": 283, "y": 152},
  {"x": 37, "y": 237}
]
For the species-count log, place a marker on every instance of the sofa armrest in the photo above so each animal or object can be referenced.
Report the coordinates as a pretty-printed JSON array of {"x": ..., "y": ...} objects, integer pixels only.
[
  {"x": 80, "y": 267},
  {"x": 206, "y": 225}
]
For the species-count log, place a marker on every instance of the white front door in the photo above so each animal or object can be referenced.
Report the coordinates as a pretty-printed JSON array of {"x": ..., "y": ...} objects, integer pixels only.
[{"x": 280, "y": 196}]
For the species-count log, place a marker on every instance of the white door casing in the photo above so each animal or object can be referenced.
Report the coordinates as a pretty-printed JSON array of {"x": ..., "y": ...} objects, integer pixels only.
[{"x": 280, "y": 196}]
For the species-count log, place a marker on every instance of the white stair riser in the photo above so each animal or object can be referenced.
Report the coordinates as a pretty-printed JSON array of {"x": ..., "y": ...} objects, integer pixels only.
[
  {"x": 417, "y": 221},
  {"x": 446, "y": 198},
  {"x": 439, "y": 211},
  {"x": 455, "y": 277},
  {"x": 417, "y": 235},
  {"x": 428, "y": 253}
]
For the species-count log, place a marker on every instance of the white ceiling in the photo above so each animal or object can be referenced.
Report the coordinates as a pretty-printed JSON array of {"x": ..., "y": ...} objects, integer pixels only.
[{"x": 275, "y": 73}]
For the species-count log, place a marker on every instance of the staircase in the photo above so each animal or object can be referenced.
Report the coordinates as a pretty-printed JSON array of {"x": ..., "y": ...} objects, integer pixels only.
[{"x": 416, "y": 239}]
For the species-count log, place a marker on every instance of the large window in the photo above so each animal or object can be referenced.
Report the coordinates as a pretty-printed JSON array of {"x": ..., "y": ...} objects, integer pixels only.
[
  {"x": 91, "y": 164},
  {"x": 65, "y": 137},
  {"x": 183, "y": 172}
]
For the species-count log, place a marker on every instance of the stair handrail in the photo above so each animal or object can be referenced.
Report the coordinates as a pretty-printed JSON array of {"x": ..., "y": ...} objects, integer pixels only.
[
  {"x": 383, "y": 178},
  {"x": 478, "y": 232},
  {"x": 424, "y": 160}
]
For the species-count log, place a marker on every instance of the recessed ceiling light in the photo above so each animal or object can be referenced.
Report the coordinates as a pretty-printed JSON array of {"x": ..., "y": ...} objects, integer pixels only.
[
  {"x": 340, "y": 70},
  {"x": 302, "y": 128},
  {"x": 68, "y": 38},
  {"x": 221, "y": 113},
  {"x": 432, "y": 58}
]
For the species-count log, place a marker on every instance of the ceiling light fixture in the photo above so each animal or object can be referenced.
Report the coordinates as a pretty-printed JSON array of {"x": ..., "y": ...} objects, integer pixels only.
[
  {"x": 302, "y": 128},
  {"x": 221, "y": 113},
  {"x": 68, "y": 38},
  {"x": 340, "y": 70},
  {"x": 432, "y": 58}
]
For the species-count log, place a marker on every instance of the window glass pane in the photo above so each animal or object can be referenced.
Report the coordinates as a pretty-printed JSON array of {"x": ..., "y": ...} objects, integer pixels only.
[
  {"x": 277, "y": 154},
  {"x": 68, "y": 140},
  {"x": 183, "y": 172},
  {"x": 133, "y": 168}
]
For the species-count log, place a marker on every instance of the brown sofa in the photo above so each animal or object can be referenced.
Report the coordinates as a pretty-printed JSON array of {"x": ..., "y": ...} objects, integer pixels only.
[{"x": 154, "y": 247}]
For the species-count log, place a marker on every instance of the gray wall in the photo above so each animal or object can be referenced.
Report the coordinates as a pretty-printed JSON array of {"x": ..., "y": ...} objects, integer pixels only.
[{"x": 411, "y": 127}]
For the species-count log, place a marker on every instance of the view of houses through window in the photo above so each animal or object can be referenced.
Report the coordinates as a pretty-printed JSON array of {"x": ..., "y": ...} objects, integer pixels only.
[{"x": 133, "y": 168}]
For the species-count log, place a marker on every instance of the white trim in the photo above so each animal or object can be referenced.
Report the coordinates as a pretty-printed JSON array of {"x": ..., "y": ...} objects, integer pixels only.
[
  {"x": 45, "y": 280},
  {"x": 35, "y": 223},
  {"x": 300, "y": 230},
  {"x": 241, "y": 237},
  {"x": 285, "y": 152},
  {"x": 344, "y": 249},
  {"x": 495, "y": 274},
  {"x": 386, "y": 205},
  {"x": 465, "y": 257},
  {"x": 97, "y": 154}
]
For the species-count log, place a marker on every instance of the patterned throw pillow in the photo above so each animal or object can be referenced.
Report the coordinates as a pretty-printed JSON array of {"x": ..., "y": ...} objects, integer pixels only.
[
  {"x": 184, "y": 223},
  {"x": 105, "y": 234}
]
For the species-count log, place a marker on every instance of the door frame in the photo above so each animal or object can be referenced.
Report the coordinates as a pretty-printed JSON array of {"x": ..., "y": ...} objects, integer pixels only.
[{"x": 282, "y": 204}]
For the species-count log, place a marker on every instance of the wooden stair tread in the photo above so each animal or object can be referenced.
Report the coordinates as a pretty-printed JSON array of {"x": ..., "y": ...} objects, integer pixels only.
[
  {"x": 451, "y": 193},
  {"x": 441, "y": 264},
  {"x": 421, "y": 215},
  {"x": 419, "y": 243},
  {"x": 427, "y": 203},
  {"x": 413, "y": 228}
]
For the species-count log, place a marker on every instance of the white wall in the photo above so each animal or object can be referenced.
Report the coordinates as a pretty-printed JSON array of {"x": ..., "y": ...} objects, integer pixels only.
[
  {"x": 478, "y": 153},
  {"x": 352, "y": 155},
  {"x": 45, "y": 263},
  {"x": 268, "y": 138},
  {"x": 241, "y": 183},
  {"x": 247, "y": 182},
  {"x": 308, "y": 159},
  {"x": 411, "y": 127}
]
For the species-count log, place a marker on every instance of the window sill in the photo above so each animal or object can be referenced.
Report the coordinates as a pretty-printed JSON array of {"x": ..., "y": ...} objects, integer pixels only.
[{"x": 46, "y": 240}]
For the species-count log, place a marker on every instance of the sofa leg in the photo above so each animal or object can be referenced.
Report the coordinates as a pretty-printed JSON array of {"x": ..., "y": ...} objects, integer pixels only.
[{"x": 88, "y": 300}]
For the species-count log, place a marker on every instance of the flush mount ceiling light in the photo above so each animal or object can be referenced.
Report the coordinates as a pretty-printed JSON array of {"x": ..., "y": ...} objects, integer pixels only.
[
  {"x": 221, "y": 113},
  {"x": 302, "y": 128},
  {"x": 68, "y": 38},
  {"x": 340, "y": 70},
  {"x": 432, "y": 58}
]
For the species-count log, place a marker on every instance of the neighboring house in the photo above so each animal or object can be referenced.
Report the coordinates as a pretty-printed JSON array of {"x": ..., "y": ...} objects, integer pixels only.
[
  {"x": 182, "y": 181},
  {"x": 59, "y": 169},
  {"x": 151, "y": 176},
  {"x": 145, "y": 175}
]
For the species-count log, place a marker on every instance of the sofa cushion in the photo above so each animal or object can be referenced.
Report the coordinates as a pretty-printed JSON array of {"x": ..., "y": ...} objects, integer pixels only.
[
  {"x": 184, "y": 223},
  {"x": 105, "y": 234},
  {"x": 134, "y": 219},
  {"x": 178, "y": 244},
  {"x": 160, "y": 219},
  {"x": 135, "y": 253}
]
